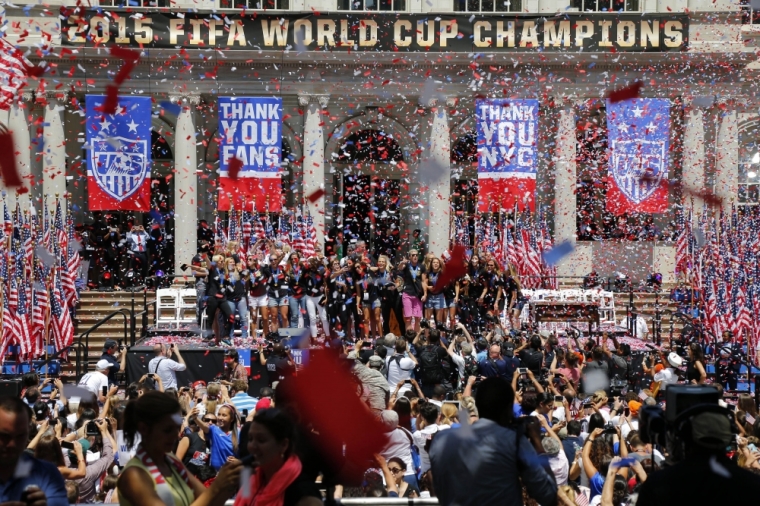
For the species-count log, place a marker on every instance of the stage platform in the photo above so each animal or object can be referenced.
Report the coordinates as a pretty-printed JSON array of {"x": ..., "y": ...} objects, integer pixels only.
[{"x": 204, "y": 361}]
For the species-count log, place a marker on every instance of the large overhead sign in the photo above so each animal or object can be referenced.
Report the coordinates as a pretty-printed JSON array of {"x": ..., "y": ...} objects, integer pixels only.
[{"x": 569, "y": 32}]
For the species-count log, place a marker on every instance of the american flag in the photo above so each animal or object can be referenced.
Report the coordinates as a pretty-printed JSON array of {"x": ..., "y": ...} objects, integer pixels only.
[
  {"x": 60, "y": 319},
  {"x": 75, "y": 262},
  {"x": 311, "y": 243},
  {"x": 23, "y": 324},
  {"x": 547, "y": 244},
  {"x": 26, "y": 234},
  {"x": 7, "y": 221},
  {"x": 13, "y": 73},
  {"x": 8, "y": 311},
  {"x": 682, "y": 244},
  {"x": 298, "y": 243},
  {"x": 46, "y": 228},
  {"x": 60, "y": 233},
  {"x": 220, "y": 239},
  {"x": 68, "y": 280},
  {"x": 232, "y": 226},
  {"x": 246, "y": 232},
  {"x": 41, "y": 304},
  {"x": 258, "y": 229}
]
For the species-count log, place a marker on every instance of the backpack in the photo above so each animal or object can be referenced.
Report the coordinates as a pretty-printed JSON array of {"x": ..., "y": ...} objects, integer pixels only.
[
  {"x": 470, "y": 367},
  {"x": 431, "y": 367},
  {"x": 416, "y": 459},
  {"x": 532, "y": 359}
]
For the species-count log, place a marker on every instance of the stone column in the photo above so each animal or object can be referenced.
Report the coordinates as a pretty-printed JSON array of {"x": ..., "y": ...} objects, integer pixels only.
[
  {"x": 54, "y": 151},
  {"x": 435, "y": 173},
  {"x": 185, "y": 182},
  {"x": 565, "y": 181},
  {"x": 727, "y": 159},
  {"x": 314, "y": 158},
  {"x": 694, "y": 156},
  {"x": 18, "y": 125}
]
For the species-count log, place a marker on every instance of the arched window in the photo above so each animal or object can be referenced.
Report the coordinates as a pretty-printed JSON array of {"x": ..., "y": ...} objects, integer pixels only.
[
  {"x": 159, "y": 148},
  {"x": 369, "y": 146},
  {"x": 465, "y": 149}
]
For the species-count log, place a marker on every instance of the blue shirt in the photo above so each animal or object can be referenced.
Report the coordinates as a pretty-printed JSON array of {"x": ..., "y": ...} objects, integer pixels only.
[
  {"x": 41, "y": 474},
  {"x": 221, "y": 446}
]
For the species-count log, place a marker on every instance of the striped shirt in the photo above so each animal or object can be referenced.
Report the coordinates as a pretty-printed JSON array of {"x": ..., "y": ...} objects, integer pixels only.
[{"x": 242, "y": 400}]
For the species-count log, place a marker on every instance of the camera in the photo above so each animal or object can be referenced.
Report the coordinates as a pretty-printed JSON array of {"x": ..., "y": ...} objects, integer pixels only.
[
  {"x": 183, "y": 267},
  {"x": 424, "y": 324},
  {"x": 92, "y": 429},
  {"x": 609, "y": 429},
  {"x": 666, "y": 428}
]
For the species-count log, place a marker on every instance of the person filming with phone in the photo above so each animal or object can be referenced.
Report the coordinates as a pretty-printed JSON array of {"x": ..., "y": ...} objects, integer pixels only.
[{"x": 164, "y": 366}]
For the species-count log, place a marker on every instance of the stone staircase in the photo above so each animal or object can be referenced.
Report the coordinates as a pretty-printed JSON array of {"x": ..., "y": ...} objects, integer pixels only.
[{"x": 93, "y": 307}]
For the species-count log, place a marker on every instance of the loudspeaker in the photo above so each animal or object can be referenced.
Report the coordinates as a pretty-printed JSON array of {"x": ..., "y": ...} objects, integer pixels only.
[{"x": 10, "y": 388}]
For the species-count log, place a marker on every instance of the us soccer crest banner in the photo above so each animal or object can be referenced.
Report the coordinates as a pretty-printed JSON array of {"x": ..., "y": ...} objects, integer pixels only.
[
  {"x": 118, "y": 154},
  {"x": 638, "y": 133},
  {"x": 250, "y": 140},
  {"x": 507, "y": 132}
]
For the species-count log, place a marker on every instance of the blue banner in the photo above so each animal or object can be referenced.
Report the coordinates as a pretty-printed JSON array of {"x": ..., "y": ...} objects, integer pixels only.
[
  {"x": 300, "y": 357},
  {"x": 638, "y": 133},
  {"x": 507, "y": 132},
  {"x": 250, "y": 129},
  {"x": 118, "y": 154}
]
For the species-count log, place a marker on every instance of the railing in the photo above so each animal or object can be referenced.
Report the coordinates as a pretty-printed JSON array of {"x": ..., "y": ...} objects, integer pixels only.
[
  {"x": 363, "y": 501},
  {"x": 128, "y": 319}
]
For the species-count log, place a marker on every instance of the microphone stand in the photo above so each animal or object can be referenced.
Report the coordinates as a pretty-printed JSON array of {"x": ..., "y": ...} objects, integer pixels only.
[{"x": 632, "y": 315}]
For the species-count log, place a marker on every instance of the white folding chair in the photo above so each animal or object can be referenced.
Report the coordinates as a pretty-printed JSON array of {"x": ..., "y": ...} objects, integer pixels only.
[
  {"x": 167, "y": 301},
  {"x": 186, "y": 307}
]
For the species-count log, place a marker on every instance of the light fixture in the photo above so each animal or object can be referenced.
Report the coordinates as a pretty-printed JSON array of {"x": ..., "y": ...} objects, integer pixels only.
[
  {"x": 752, "y": 174},
  {"x": 756, "y": 158}
]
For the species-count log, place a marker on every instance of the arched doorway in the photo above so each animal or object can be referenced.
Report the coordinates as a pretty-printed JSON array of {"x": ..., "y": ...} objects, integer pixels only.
[{"x": 371, "y": 202}]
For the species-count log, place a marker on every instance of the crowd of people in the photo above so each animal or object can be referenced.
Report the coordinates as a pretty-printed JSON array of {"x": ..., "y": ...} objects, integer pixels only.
[{"x": 475, "y": 406}]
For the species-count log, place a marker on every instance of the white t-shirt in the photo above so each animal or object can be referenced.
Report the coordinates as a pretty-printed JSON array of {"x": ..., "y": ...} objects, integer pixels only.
[
  {"x": 398, "y": 445},
  {"x": 666, "y": 377},
  {"x": 421, "y": 438},
  {"x": 167, "y": 369},
  {"x": 94, "y": 382},
  {"x": 399, "y": 372}
]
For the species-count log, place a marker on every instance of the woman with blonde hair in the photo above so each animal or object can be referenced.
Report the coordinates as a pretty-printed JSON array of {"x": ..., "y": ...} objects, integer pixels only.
[
  {"x": 374, "y": 281},
  {"x": 512, "y": 294},
  {"x": 435, "y": 305},
  {"x": 213, "y": 398},
  {"x": 449, "y": 414}
]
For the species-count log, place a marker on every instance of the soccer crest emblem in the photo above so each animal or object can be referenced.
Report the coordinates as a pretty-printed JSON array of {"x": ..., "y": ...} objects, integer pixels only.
[
  {"x": 119, "y": 165},
  {"x": 638, "y": 167}
]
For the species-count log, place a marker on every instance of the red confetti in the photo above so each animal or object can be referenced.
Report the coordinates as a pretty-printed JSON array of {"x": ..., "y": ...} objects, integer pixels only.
[
  {"x": 8, "y": 167},
  {"x": 356, "y": 429},
  {"x": 628, "y": 93},
  {"x": 234, "y": 168},
  {"x": 454, "y": 269},
  {"x": 318, "y": 194}
]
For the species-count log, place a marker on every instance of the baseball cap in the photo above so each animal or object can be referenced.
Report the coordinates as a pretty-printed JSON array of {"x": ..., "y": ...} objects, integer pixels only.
[
  {"x": 634, "y": 406},
  {"x": 199, "y": 384},
  {"x": 375, "y": 361},
  {"x": 102, "y": 365},
  {"x": 711, "y": 430},
  {"x": 675, "y": 360},
  {"x": 231, "y": 354},
  {"x": 110, "y": 343},
  {"x": 264, "y": 403}
]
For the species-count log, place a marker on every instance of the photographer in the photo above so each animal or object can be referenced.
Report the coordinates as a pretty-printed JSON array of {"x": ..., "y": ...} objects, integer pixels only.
[
  {"x": 278, "y": 362},
  {"x": 530, "y": 354},
  {"x": 99, "y": 438},
  {"x": 164, "y": 367},
  {"x": 137, "y": 244},
  {"x": 116, "y": 356},
  {"x": 199, "y": 267},
  {"x": 496, "y": 366},
  {"x": 597, "y": 455}
]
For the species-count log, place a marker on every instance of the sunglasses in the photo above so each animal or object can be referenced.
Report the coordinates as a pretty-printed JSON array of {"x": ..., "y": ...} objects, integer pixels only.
[
  {"x": 209, "y": 420},
  {"x": 395, "y": 470}
]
